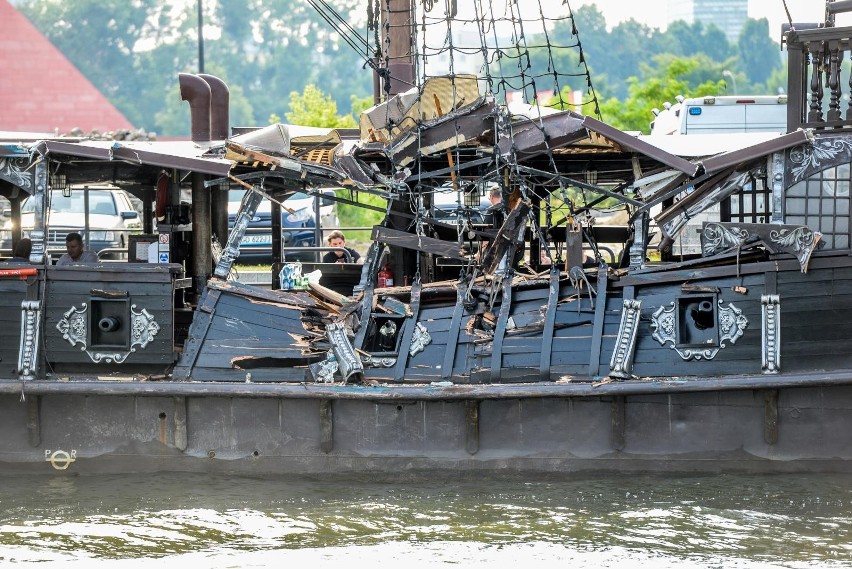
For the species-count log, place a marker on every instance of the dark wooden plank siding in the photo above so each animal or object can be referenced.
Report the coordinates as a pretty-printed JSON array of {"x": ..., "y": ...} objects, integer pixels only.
[
  {"x": 12, "y": 293},
  {"x": 253, "y": 337},
  {"x": 150, "y": 290}
]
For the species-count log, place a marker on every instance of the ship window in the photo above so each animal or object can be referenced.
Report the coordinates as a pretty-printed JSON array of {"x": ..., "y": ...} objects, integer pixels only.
[
  {"x": 750, "y": 204},
  {"x": 383, "y": 333},
  {"x": 821, "y": 203},
  {"x": 697, "y": 321}
]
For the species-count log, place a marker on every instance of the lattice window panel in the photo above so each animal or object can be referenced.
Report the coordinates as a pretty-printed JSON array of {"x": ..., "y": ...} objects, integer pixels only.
[{"x": 821, "y": 202}]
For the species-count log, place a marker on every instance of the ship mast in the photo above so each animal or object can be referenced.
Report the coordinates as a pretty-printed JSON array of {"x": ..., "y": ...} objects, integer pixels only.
[{"x": 395, "y": 70}]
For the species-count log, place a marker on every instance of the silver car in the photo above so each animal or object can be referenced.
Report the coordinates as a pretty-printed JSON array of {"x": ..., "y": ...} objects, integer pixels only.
[{"x": 112, "y": 218}]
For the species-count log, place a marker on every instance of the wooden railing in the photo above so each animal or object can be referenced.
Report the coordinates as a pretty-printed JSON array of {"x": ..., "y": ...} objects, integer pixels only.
[{"x": 816, "y": 95}]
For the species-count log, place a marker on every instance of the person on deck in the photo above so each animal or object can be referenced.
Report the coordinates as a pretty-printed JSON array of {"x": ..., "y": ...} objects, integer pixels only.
[
  {"x": 337, "y": 239},
  {"x": 22, "y": 251},
  {"x": 496, "y": 215},
  {"x": 496, "y": 212},
  {"x": 76, "y": 251}
]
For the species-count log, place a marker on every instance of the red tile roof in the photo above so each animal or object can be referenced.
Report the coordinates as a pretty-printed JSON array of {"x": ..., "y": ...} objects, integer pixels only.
[{"x": 40, "y": 89}]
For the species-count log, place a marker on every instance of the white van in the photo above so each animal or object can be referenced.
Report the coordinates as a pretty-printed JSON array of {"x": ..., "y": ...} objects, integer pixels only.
[{"x": 722, "y": 115}]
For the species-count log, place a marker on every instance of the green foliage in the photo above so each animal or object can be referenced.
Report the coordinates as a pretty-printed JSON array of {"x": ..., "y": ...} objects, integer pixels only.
[
  {"x": 263, "y": 49},
  {"x": 360, "y": 104},
  {"x": 354, "y": 216},
  {"x": 673, "y": 76},
  {"x": 758, "y": 57},
  {"x": 268, "y": 50},
  {"x": 312, "y": 107},
  {"x": 615, "y": 55}
]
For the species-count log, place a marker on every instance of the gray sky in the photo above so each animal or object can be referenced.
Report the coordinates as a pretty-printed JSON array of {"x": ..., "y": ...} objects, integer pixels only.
[{"x": 617, "y": 11}]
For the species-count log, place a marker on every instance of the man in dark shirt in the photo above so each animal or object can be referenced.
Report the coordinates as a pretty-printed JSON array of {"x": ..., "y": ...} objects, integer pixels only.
[
  {"x": 337, "y": 239},
  {"x": 22, "y": 251},
  {"x": 496, "y": 212},
  {"x": 496, "y": 215}
]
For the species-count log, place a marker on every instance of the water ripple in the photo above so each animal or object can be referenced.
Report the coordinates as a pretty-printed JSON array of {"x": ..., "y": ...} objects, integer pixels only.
[{"x": 655, "y": 521}]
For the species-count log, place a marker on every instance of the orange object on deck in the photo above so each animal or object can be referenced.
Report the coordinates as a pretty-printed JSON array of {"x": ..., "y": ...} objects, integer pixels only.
[{"x": 22, "y": 273}]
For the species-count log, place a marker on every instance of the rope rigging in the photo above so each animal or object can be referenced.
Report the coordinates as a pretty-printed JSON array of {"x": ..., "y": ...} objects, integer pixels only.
[{"x": 524, "y": 62}]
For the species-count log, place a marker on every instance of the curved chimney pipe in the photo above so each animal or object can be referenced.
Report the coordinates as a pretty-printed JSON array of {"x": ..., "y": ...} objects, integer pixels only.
[
  {"x": 197, "y": 91},
  {"x": 219, "y": 119}
]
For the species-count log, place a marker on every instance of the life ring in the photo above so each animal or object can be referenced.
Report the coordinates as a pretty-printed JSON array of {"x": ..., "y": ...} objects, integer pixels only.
[{"x": 162, "y": 198}]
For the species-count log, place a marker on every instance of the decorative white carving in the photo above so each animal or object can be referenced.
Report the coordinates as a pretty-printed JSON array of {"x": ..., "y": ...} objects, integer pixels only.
[
  {"x": 324, "y": 371},
  {"x": 371, "y": 361},
  {"x": 30, "y": 339},
  {"x": 801, "y": 240},
  {"x": 73, "y": 325},
  {"x": 74, "y": 328},
  {"x": 347, "y": 358},
  {"x": 419, "y": 339},
  {"x": 770, "y": 333},
  {"x": 718, "y": 237},
  {"x": 621, "y": 363},
  {"x": 15, "y": 171},
  {"x": 809, "y": 158},
  {"x": 731, "y": 323}
]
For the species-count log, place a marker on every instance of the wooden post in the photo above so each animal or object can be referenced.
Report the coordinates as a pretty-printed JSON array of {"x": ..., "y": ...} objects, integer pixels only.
[
  {"x": 202, "y": 256},
  {"x": 397, "y": 18},
  {"x": 397, "y": 37}
]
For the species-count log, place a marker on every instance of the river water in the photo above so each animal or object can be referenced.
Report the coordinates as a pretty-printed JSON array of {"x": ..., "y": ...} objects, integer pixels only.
[{"x": 602, "y": 520}]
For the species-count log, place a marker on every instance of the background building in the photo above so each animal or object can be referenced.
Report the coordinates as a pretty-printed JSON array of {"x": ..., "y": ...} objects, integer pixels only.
[
  {"x": 728, "y": 15},
  {"x": 41, "y": 90}
]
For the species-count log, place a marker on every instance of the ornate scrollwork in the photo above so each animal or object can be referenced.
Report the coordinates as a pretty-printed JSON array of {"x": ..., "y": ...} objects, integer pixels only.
[
  {"x": 74, "y": 327},
  {"x": 419, "y": 339},
  {"x": 323, "y": 372},
  {"x": 718, "y": 237},
  {"x": 372, "y": 361},
  {"x": 822, "y": 153},
  {"x": 731, "y": 325},
  {"x": 801, "y": 241},
  {"x": 347, "y": 359},
  {"x": 797, "y": 240},
  {"x": 14, "y": 170},
  {"x": 143, "y": 328}
]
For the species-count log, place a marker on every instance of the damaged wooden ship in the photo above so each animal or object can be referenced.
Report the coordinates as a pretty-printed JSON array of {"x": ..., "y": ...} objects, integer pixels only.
[{"x": 706, "y": 332}]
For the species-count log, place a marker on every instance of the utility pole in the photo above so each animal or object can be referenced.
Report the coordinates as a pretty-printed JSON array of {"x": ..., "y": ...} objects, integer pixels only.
[{"x": 200, "y": 38}]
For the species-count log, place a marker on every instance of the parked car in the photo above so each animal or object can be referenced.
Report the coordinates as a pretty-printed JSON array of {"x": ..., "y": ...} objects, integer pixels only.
[
  {"x": 298, "y": 228},
  {"x": 447, "y": 204},
  {"x": 112, "y": 218}
]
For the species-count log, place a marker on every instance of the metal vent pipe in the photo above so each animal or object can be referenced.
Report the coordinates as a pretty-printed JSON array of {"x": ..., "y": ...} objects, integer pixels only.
[
  {"x": 197, "y": 92},
  {"x": 219, "y": 107}
]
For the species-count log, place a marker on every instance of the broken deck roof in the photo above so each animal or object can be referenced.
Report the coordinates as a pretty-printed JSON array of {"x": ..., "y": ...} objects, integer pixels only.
[{"x": 564, "y": 134}]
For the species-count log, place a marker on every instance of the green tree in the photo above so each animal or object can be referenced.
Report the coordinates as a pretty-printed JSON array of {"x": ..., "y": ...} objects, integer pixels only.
[
  {"x": 103, "y": 38},
  {"x": 275, "y": 47},
  {"x": 263, "y": 49},
  {"x": 312, "y": 107},
  {"x": 672, "y": 77},
  {"x": 759, "y": 56},
  {"x": 681, "y": 38}
]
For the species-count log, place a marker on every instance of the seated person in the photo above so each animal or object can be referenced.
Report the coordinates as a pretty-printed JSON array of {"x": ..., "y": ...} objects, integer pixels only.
[
  {"x": 337, "y": 239},
  {"x": 77, "y": 252},
  {"x": 22, "y": 251}
]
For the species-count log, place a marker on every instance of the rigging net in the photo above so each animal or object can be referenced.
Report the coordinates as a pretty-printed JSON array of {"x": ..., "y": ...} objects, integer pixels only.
[{"x": 528, "y": 62}]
